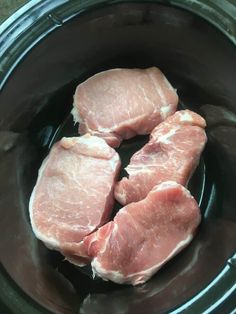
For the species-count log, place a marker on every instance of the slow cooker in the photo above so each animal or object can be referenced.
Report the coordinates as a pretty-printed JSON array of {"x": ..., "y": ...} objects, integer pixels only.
[{"x": 46, "y": 49}]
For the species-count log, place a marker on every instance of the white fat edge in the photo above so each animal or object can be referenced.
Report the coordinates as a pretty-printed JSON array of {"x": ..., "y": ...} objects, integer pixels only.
[
  {"x": 103, "y": 133},
  {"x": 106, "y": 275},
  {"x": 94, "y": 141},
  {"x": 121, "y": 196},
  {"x": 165, "y": 185},
  {"x": 87, "y": 139},
  {"x": 138, "y": 277},
  {"x": 138, "y": 169},
  {"x": 170, "y": 184},
  {"x": 165, "y": 138},
  {"x": 100, "y": 143},
  {"x": 76, "y": 116},
  {"x": 114, "y": 161},
  {"x": 164, "y": 111},
  {"x": 105, "y": 130},
  {"x": 49, "y": 241},
  {"x": 186, "y": 116}
]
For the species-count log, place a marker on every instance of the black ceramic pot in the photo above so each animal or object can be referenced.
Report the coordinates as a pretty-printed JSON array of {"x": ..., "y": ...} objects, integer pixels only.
[{"x": 46, "y": 49}]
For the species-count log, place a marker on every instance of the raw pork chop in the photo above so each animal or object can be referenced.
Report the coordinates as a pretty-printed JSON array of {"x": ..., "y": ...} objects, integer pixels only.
[
  {"x": 74, "y": 192},
  {"x": 121, "y": 103},
  {"x": 172, "y": 153},
  {"x": 144, "y": 235}
]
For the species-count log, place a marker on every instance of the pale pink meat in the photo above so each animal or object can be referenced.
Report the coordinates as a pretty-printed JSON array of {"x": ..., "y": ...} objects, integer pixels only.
[
  {"x": 172, "y": 153},
  {"x": 74, "y": 193},
  {"x": 120, "y": 103},
  {"x": 143, "y": 236}
]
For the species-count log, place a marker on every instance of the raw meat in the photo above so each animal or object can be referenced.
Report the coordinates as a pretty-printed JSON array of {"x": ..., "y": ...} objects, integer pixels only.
[
  {"x": 144, "y": 235},
  {"x": 74, "y": 193},
  {"x": 172, "y": 153},
  {"x": 121, "y": 103}
]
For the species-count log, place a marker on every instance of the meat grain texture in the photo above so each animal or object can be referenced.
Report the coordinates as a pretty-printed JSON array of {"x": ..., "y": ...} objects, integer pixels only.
[
  {"x": 172, "y": 153},
  {"x": 74, "y": 193},
  {"x": 120, "y": 103},
  {"x": 143, "y": 236}
]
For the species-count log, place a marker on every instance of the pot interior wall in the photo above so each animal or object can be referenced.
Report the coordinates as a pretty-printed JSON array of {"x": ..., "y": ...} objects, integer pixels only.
[{"x": 34, "y": 111}]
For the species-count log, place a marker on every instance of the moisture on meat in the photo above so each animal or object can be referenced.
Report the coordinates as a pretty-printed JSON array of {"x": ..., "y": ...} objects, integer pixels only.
[
  {"x": 120, "y": 103},
  {"x": 172, "y": 153},
  {"x": 143, "y": 236},
  {"x": 74, "y": 193}
]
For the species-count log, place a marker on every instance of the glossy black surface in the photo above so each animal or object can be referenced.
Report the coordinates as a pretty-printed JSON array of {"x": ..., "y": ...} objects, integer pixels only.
[{"x": 35, "y": 103}]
